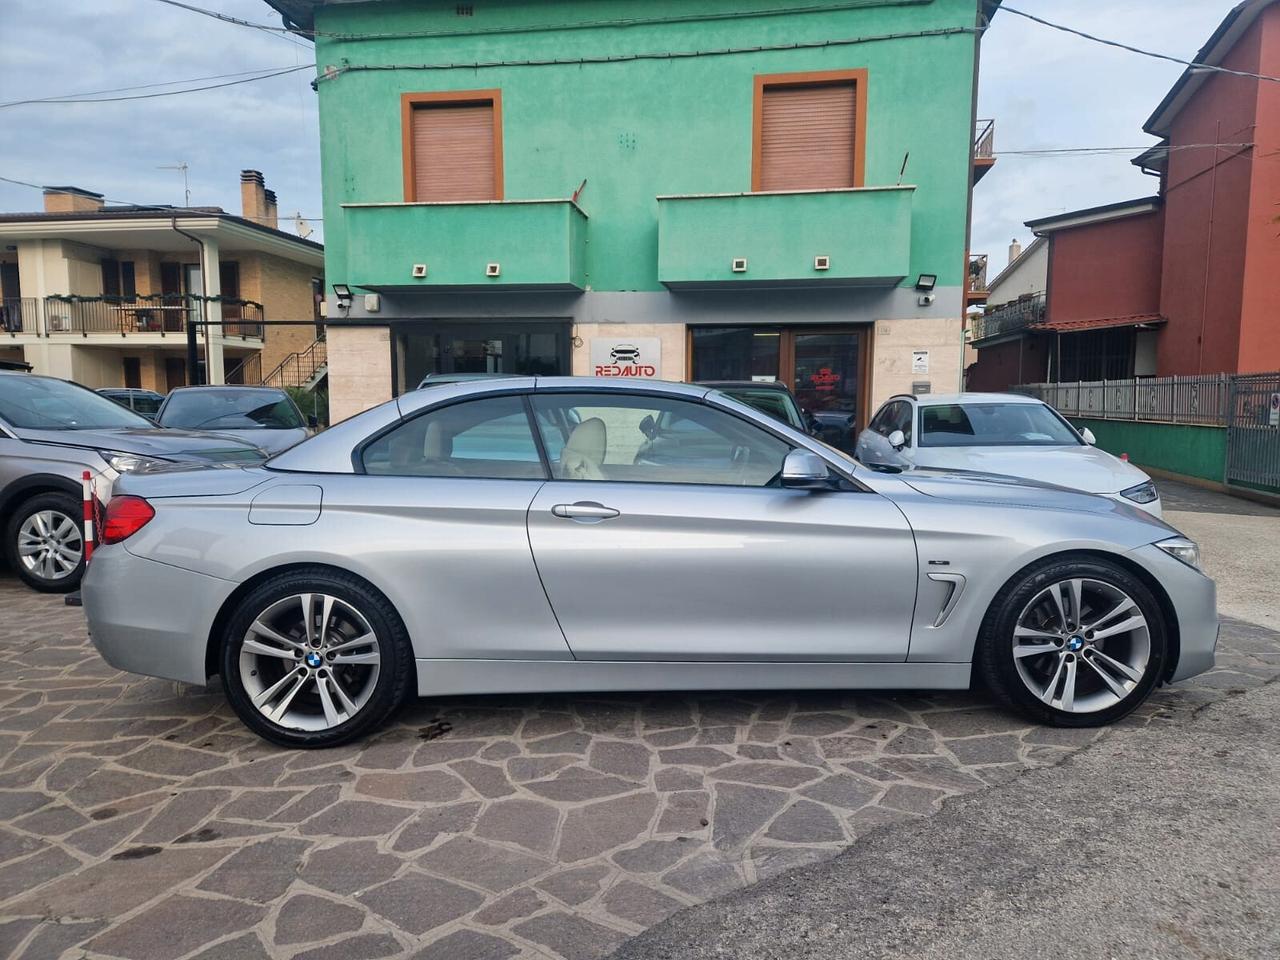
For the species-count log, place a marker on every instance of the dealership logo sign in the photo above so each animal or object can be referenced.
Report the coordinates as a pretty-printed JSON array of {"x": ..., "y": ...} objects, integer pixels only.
[{"x": 637, "y": 357}]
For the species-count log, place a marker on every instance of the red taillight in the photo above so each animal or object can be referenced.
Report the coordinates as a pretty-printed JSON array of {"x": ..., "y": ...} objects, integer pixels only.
[{"x": 125, "y": 516}]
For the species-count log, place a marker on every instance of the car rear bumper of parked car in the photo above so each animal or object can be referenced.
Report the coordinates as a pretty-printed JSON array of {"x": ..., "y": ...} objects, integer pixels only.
[
  {"x": 1195, "y": 602},
  {"x": 167, "y": 635}
]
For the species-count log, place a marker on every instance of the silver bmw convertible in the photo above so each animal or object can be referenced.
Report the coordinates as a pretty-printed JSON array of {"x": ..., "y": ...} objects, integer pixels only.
[{"x": 561, "y": 534}]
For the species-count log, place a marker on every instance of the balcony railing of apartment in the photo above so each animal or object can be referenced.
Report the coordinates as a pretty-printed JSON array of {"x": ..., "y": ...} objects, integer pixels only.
[
  {"x": 984, "y": 148},
  {"x": 976, "y": 285},
  {"x": 1008, "y": 318},
  {"x": 156, "y": 313},
  {"x": 19, "y": 315}
]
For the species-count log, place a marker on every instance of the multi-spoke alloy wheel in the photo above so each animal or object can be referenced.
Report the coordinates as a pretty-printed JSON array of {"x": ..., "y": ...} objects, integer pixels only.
[
  {"x": 1081, "y": 645},
  {"x": 50, "y": 545},
  {"x": 44, "y": 542},
  {"x": 310, "y": 661},
  {"x": 314, "y": 661},
  {"x": 1074, "y": 641}
]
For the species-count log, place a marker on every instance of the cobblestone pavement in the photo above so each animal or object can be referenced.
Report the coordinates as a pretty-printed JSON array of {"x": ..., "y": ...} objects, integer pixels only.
[{"x": 138, "y": 819}]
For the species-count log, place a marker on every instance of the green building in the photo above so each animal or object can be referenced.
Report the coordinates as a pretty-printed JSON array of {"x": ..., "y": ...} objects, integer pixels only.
[{"x": 682, "y": 189}]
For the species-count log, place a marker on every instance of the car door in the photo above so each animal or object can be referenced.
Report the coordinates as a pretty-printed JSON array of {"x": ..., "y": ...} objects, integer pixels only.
[
  {"x": 874, "y": 447},
  {"x": 664, "y": 535}
]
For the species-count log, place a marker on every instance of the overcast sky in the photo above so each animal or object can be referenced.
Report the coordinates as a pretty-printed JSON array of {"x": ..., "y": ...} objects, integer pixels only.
[{"x": 1044, "y": 88}]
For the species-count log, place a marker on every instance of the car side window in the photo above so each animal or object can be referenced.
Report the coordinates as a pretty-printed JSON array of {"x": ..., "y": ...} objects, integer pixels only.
[
  {"x": 488, "y": 438},
  {"x": 903, "y": 420},
  {"x": 639, "y": 439},
  {"x": 879, "y": 423}
]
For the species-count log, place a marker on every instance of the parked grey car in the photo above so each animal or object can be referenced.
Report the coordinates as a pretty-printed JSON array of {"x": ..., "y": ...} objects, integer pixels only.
[
  {"x": 144, "y": 402},
  {"x": 267, "y": 417},
  {"x": 563, "y": 534},
  {"x": 51, "y": 431}
]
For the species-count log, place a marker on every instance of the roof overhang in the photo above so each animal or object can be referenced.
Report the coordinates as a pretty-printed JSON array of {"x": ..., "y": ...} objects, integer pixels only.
[
  {"x": 1141, "y": 320},
  {"x": 1090, "y": 215},
  {"x": 156, "y": 232},
  {"x": 1230, "y": 30}
]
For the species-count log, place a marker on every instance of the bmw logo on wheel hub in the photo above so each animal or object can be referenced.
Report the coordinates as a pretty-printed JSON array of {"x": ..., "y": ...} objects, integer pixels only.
[
  {"x": 1075, "y": 642},
  {"x": 314, "y": 660}
]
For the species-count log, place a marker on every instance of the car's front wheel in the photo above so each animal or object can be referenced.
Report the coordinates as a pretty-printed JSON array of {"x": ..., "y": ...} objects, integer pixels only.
[
  {"x": 44, "y": 541},
  {"x": 315, "y": 658},
  {"x": 1073, "y": 642}
]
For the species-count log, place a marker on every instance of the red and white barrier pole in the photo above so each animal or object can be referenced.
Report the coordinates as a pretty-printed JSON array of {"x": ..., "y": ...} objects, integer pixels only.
[{"x": 86, "y": 480}]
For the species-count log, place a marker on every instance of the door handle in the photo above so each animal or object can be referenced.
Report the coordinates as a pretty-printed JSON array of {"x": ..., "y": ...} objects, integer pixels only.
[{"x": 583, "y": 510}]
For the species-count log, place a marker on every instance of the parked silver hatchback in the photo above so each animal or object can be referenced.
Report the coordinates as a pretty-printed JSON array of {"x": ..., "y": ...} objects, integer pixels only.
[
  {"x": 51, "y": 431},
  {"x": 565, "y": 534}
]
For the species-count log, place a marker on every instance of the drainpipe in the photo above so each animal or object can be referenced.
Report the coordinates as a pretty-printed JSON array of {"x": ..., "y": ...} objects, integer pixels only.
[{"x": 192, "y": 359}]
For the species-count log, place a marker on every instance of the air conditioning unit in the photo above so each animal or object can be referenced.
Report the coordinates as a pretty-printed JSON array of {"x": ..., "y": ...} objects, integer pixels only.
[
  {"x": 60, "y": 324},
  {"x": 493, "y": 270},
  {"x": 739, "y": 265},
  {"x": 822, "y": 263}
]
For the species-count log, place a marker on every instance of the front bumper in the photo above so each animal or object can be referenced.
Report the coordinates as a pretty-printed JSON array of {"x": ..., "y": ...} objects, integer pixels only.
[
  {"x": 148, "y": 617},
  {"x": 1195, "y": 603}
]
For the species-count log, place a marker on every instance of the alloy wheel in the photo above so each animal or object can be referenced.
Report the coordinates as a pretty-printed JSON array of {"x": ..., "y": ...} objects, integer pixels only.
[
  {"x": 1081, "y": 645},
  {"x": 310, "y": 662},
  {"x": 50, "y": 545}
]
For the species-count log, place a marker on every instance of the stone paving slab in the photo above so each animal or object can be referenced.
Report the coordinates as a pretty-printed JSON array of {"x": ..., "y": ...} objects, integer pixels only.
[{"x": 140, "y": 820}]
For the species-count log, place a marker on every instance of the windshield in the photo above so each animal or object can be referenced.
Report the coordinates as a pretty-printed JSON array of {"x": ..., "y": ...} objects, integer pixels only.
[
  {"x": 42, "y": 403},
  {"x": 773, "y": 402},
  {"x": 992, "y": 425},
  {"x": 231, "y": 409}
]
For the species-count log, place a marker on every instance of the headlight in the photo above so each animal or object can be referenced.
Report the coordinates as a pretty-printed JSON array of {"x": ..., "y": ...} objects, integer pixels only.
[
  {"x": 129, "y": 462},
  {"x": 1185, "y": 550},
  {"x": 1142, "y": 493}
]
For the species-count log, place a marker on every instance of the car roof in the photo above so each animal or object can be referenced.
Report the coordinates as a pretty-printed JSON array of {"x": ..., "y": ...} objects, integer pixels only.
[
  {"x": 744, "y": 385},
  {"x": 226, "y": 387},
  {"x": 935, "y": 399}
]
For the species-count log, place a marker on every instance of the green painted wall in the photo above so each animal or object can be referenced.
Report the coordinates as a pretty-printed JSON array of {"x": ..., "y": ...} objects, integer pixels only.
[
  {"x": 638, "y": 129},
  {"x": 1179, "y": 448}
]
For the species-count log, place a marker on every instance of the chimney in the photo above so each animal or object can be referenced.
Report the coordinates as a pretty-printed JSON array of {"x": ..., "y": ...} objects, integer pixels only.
[
  {"x": 253, "y": 196},
  {"x": 272, "y": 218},
  {"x": 71, "y": 200},
  {"x": 1015, "y": 249}
]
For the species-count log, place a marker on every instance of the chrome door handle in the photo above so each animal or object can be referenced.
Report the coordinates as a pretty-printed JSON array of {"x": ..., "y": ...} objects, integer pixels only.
[{"x": 583, "y": 510}]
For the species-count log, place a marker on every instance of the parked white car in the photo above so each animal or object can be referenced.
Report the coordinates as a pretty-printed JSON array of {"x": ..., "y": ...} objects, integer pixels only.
[{"x": 1000, "y": 433}]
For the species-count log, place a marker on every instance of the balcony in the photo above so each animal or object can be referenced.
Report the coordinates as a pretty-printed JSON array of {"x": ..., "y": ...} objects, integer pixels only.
[
  {"x": 984, "y": 148},
  {"x": 508, "y": 245},
  {"x": 160, "y": 314},
  {"x": 809, "y": 238},
  {"x": 1012, "y": 317},
  {"x": 975, "y": 287},
  {"x": 19, "y": 315}
]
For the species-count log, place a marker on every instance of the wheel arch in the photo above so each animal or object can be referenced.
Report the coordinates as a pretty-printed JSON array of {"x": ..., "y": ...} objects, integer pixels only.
[
  {"x": 32, "y": 486},
  {"x": 225, "y": 612},
  {"x": 1167, "y": 609}
]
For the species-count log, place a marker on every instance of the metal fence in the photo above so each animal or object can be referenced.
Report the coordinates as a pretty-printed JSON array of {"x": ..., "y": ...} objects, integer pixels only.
[
  {"x": 1253, "y": 431},
  {"x": 1193, "y": 400},
  {"x": 19, "y": 315}
]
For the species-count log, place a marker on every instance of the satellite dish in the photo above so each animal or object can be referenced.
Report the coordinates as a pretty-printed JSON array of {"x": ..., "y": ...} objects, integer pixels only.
[{"x": 301, "y": 227}]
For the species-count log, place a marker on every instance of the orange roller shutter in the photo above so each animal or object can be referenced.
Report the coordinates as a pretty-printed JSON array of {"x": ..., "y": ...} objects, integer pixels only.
[
  {"x": 454, "y": 153},
  {"x": 807, "y": 137}
]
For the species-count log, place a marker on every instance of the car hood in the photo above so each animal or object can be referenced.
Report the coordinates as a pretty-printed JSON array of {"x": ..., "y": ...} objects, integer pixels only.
[
  {"x": 971, "y": 487},
  {"x": 1079, "y": 468},
  {"x": 272, "y": 441},
  {"x": 164, "y": 444}
]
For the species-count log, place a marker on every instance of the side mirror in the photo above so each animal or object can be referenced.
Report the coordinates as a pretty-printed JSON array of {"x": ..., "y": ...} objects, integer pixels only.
[
  {"x": 897, "y": 439},
  {"x": 805, "y": 470},
  {"x": 649, "y": 427},
  {"x": 1087, "y": 436}
]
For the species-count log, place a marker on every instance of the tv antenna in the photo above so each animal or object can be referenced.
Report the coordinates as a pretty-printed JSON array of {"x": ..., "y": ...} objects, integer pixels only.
[{"x": 186, "y": 190}]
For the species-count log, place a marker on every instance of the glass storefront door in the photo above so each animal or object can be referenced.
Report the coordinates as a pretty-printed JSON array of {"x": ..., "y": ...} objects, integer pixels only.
[{"x": 823, "y": 368}]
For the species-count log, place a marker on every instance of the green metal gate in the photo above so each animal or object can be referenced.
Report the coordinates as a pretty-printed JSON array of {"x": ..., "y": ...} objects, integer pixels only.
[{"x": 1253, "y": 431}]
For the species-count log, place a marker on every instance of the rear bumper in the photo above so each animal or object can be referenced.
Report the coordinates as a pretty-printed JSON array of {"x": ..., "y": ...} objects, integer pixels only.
[
  {"x": 1195, "y": 602},
  {"x": 148, "y": 617}
]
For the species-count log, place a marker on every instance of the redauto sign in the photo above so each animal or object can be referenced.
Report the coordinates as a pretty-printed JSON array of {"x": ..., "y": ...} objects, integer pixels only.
[{"x": 635, "y": 357}]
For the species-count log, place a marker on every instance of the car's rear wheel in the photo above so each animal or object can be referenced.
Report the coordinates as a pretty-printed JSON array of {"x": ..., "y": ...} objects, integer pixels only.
[
  {"x": 315, "y": 658},
  {"x": 44, "y": 541},
  {"x": 1073, "y": 642}
]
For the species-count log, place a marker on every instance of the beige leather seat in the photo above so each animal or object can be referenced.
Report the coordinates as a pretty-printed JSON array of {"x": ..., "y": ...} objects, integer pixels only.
[{"x": 583, "y": 455}]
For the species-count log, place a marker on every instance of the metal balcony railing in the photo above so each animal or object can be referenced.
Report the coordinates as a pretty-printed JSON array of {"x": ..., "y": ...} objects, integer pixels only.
[
  {"x": 19, "y": 315},
  {"x": 155, "y": 313},
  {"x": 977, "y": 280},
  {"x": 1009, "y": 318},
  {"x": 298, "y": 369},
  {"x": 984, "y": 140}
]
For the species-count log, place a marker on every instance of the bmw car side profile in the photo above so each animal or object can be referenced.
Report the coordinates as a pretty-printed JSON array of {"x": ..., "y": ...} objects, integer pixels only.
[{"x": 562, "y": 534}]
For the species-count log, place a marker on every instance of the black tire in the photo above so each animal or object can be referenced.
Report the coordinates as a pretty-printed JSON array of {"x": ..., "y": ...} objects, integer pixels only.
[
  {"x": 59, "y": 503},
  {"x": 396, "y": 670},
  {"x": 994, "y": 662}
]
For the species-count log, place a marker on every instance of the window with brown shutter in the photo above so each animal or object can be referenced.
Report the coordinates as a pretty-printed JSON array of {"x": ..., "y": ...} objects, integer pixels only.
[
  {"x": 452, "y": 146},
  {"x": 809, "y": 131}
]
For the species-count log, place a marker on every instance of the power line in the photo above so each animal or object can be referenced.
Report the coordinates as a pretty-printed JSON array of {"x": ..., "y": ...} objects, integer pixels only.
[
  {"x": 1086, "y": 151},
  {"x": 165, "y": 93},
  {"x": 68, "y": 97},
  {"x": 1196, "y": 65},
  {"x": 225, "y": 18}
]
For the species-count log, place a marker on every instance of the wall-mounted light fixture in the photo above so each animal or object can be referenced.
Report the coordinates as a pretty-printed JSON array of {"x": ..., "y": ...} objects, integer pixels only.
[
  {"x": 739, "y": 265},
  {"x": 419, "y": 271},
  {"x": 926, "y": 281},
  {"x": 493, "y": 270},
  {"x": 822, "y": 263},
  {"x": 343, "y": 293}
]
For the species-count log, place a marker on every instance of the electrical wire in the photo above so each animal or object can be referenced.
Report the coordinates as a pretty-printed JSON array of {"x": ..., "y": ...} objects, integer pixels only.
[
  {"x": 68, "y": 97},
  {"x": 1196, "y": 65},
  {"x": 281, "y": 32},
  {"x": 1161, "y": 148},
  {"x": 166, "y": 93}
]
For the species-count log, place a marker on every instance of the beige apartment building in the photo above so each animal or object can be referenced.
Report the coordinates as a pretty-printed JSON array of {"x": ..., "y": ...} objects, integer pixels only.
[{"x": 105, "y": 294}]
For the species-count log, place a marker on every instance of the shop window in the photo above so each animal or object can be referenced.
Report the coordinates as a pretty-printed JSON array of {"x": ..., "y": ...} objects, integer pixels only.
[
  {"x": 452, "y": 146},
  {"x": 809, "y": 131}
]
